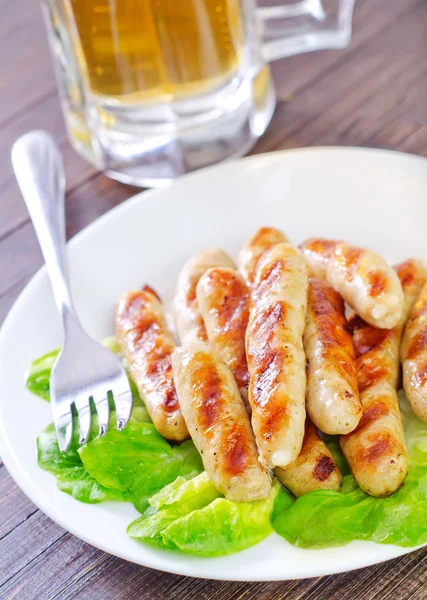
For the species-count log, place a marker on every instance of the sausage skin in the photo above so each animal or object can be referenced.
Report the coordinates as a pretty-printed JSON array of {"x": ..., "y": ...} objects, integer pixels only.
[
  {"x": 314, "y": 469},
  {"x": 147, "y": 345},
  {"x": 262, "y": 240},
  {"x": 376, "y": 450},
  {"x": 223, "y": 300},
  {"x": 218, "y": 423},
  {"x": 188, "y": 320},
  {"x": 332, "y": 401},
  {"x": 275, "y": 354},
  {"x": 362, "y": 277},
  {"x": 414, "y": 356}
]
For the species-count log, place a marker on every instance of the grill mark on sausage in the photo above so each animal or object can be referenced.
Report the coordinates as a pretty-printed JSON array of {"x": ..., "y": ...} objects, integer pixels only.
[
  {"x": 143, "y": 334},
  {"x": 232, "y": 313},
  {"x": 268, "y": 359},
  {"x": 406, "y": 273},
  {"x": 323, "y": 468},
  {"x": 236, "y": 451},
  {"x": 269, "y": 276},
  {"x": 419, "y": 377},
  {"x": 265, "y": 238},
  {"x": 333, "y": 330},
  {"x": 366, "y": 337},
  {"x": 347, "y": 258},
  {"x": 370, "y": 373},
  {"x": 377, "y": 283},
  {"x": 379, "y": 448},
  {"x": 322, "y": 247},
  {"x": 208, "y": 391},
  {"x": 419, "y": 343},
  {"x": 376, "y": 410}
]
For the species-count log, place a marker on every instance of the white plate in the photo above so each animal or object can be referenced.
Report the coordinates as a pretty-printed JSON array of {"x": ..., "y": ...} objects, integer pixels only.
[{"x": 373, "y": 198}]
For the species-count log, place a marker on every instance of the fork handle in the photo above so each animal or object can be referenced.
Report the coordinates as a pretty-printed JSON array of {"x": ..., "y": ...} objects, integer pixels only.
[{"x": 39, "y": 170}]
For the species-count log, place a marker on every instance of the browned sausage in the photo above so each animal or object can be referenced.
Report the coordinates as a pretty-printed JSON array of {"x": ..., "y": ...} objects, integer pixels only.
[
  {"x": 362, "y": 277},
  {"x": 314, "y": 469},
  {"x": 262, "y": 240},
  {"x": 332, "y": 396},
  {"x": 414, "y": 356},
  {"x": 188, "y": 320},
  {"x": 376, "y": 450},
  {"x": 219, "y": 424},
  {"x": 147, "y": 346},
  {"x": 223, "y": 300},
  {"x": 276, "y": 359}
]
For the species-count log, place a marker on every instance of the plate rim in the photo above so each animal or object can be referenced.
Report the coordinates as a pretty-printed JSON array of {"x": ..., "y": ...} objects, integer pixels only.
[{"x": 11, "y": 463}]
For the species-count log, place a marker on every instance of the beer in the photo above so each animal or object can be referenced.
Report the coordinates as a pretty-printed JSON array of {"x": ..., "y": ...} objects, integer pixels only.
[{"x": 137, "y": 50}]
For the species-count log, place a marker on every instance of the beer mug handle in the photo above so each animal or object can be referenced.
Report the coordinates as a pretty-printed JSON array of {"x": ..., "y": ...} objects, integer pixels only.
[{"x": 304, "y": 26}]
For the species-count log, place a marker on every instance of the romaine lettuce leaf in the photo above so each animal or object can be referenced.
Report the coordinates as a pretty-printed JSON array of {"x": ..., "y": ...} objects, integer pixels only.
[
  {"x": 325, "y": 518},
  {"x": 174, "y": 501},
  {"x": 223, "y": 527}
]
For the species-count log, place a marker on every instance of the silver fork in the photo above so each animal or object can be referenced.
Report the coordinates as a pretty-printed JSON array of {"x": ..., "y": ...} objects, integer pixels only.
[{"x": 84, "y": 369}]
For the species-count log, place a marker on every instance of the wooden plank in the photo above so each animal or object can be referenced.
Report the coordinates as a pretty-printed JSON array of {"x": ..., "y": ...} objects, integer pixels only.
[
  {"x": 314, "y": 115},
  {"x": 69, "y": 568},
  {"x": 7, "y": 299},
  {"x": 20, "y": 256},
  {"x": 22, "y": 79},
  {"x": 47, "y": 116},
  {"x": 24, "y": 543},
  {"x": 15, "y": 507}
]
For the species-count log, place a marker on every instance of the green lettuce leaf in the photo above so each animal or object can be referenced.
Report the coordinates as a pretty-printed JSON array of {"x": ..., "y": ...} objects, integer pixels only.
[
  {"x": 137, "y": 462},
  {"x": 71, "y": 476},
  {"x": 38, "y": 377},
  {"x": 324, "y": 518},
  {"x": 223, "y": 527},
  {"x": 174, "y": 501}
]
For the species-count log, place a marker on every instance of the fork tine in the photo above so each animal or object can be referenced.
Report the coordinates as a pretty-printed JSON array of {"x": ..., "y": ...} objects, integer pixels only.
[
  {"x": 103, "y": 411},
  {"x": 64, "y": 430},
  {"x": 83, "y": 412},
  {"x": 123, "y": 403}
]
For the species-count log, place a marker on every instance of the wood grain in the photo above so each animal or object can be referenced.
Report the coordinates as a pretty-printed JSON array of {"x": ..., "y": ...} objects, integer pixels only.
[{"x": 372, "y": 94}]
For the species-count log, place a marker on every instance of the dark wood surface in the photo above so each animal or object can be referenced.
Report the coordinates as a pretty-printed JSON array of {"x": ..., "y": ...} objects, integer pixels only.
[{"x": 372, "y": 94}]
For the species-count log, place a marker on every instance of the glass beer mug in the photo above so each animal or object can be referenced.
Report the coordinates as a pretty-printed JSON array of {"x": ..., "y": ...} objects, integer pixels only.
[{"x": 152, "y": 89}]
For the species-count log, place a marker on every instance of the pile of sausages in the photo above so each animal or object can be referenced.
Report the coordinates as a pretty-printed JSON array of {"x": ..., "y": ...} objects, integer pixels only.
[{"x": 289, "y": 343}]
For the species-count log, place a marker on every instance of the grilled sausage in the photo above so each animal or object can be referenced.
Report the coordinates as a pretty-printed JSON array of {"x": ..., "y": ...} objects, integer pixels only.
[
  {"x": 386, "y": 342},
  {"x": 219, "y": 424},
  {"x": 147, "y": 345},
  {"x": 262, "y": 240},
  {"x": 362, "y": 277},
  {"x": 332, "y": 396},
  {"x": 414, "y": 356},
  {"x": 413, "y": 275},
  {"x": 376, "y": 450},
  {"x": 223, "y": 300},
  {"x": 276, "y": 359},
  {"x": 188, "y": 320},
  {"x": 314, "y": 469}
]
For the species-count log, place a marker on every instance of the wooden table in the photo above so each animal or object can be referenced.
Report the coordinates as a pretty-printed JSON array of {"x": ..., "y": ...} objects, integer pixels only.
[{"x": 372, "y": 94}]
